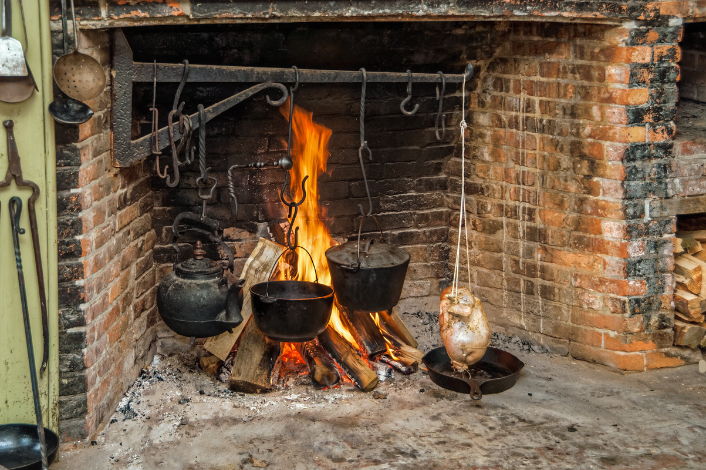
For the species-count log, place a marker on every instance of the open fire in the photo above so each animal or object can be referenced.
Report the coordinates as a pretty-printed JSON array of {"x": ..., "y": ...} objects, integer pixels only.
[{"x": 356, "y": 346}]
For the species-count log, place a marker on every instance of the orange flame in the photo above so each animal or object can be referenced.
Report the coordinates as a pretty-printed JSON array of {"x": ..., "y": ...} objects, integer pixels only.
[
  {"x": 310, "y": 155},
  {"x": 390, "y": 347}
]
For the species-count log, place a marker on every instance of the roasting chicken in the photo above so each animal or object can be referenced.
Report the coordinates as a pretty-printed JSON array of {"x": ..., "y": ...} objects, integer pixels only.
[{"x": 465, "y": 330}]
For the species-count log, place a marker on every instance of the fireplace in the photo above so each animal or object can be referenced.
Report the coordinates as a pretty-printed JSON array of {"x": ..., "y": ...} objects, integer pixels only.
[{"x": 571, "y": 171}]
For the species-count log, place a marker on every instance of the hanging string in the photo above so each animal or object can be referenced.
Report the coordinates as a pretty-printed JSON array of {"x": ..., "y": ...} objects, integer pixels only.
[{"x": 462, "y": 218}]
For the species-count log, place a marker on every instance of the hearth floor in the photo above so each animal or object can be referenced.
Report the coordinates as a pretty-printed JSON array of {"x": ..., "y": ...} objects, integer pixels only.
[{"x": 561, "y": 414}]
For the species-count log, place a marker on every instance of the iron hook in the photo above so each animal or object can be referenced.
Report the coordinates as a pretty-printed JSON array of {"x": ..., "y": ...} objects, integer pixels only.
[
  {"x": 285, "y": 95},
  {"x": 364, "y": 145},
  {"x": 287, "y": 162},
  {"x": 293, "y": 211},
  {"x": 439, "y": 116},
  {"x": 184, "y": 77},
  {"x": 409, "y": 97}
]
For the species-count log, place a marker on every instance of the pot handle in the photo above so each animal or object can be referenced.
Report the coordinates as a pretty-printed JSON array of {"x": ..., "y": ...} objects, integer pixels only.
[
  {"x": 476, "y": 394},
  {"x": 368, "y": 243},
  {"x": 316, "y": 274},
  {"x": 213, "y": 224}
]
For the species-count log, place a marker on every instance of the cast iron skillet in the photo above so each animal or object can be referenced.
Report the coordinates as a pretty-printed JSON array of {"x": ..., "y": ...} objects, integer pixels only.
[
  {"x": 496, "y": 372},
  {"x": 19, "y": 447}
]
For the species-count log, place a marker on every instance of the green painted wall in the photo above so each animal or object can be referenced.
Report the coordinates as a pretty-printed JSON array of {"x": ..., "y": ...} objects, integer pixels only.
[{"x": 34, "y": 132}]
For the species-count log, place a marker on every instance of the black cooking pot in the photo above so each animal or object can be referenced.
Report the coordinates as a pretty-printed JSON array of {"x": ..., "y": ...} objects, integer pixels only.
[
  {"x": 291, "y": 311},
  {"x": 367, "y": 277},
  {"x": 197, "y": 299}
]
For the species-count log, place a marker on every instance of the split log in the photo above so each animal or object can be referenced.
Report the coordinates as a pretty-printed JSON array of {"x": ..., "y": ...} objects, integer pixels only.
[
  {"x": 701, "y": 255},
  {"x": 690, "y": 270},
  {"x": 680, "y": 316},
  {"x": 677, "y": 246},
  {"x": 365, "y": 332},
  {"x": 688, "y": 334},
  {"x": 702, "y": 264},
  {"x": 687, "y": 303},
  {"x": 210, "y": 364},
  {"x": 394, "y": 324},
  {"x": 257, "y": 269},
  {"x": 322, "y": 370},
  {"x": 253, "y": 363},
  {"x": 698, "y": 235},
  {"x": 689, "y": 245},
  {"x": 349, "y": 360},
  {"x": 405, "y": 350}
]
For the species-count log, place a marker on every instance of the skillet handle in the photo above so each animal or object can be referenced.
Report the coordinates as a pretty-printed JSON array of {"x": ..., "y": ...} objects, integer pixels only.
[{"x": 476, "y": 394}]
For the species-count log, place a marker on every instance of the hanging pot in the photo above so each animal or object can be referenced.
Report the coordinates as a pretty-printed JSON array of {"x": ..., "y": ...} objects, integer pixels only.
[
  {"x": 196, "y": 299},
  {"x": 367, "y": 276},
  {"x": 291, "y": 311}
]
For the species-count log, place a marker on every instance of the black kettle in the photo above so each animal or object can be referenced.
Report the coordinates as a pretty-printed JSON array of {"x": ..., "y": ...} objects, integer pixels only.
[{"x": 196, "y": 299}]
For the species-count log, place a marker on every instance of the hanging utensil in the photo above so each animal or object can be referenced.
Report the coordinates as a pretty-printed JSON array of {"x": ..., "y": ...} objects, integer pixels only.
[
  {"x": 15, "y": 210},
  {"x": 202, "y": 182},
  {"x": 63, "y": 109},
  {"x": 14, "y": 170},
  {"x": 12, "y": 57},
  {"x": 79, "y": 75},
  {"x": 371, "y": 279},
  {"x": 15, "y": 89},
  {"x": 409, "y": 97}
]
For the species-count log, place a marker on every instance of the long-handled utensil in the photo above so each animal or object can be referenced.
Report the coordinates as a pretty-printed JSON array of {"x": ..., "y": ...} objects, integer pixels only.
[
  {"x": 12, "y": 57},
  {"x": 15, "y": 211},
  {"x": 79, "y": 75},
  {"x": 14, "y": 169},
  {"x": 14, "y": 89},
  {"x": 63, "y": 109}
]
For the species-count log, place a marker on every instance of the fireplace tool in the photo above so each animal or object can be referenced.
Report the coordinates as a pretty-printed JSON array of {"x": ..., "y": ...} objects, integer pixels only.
[
  {"x": 184, "y": 129},
  {"x": 17, "y": 83},
  {"x": 409, "y": 97},
  {"x": 67, "y": 110},
  {"x": 14, "y": 170},
  {"x": 368, "y": 279},
  {"x": 24, "y": 454}
]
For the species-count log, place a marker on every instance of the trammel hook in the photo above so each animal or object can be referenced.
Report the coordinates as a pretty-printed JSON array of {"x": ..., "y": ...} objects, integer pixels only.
[{"x": 439, "y": 116}]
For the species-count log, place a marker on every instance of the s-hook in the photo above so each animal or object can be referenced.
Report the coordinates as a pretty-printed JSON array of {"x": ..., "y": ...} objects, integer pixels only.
[
  {"x": 364, "y": 145},
  {"x": 184, "y": 128},
  {"x": 14, "y": 169},
  {"x": 293, "y": 214},
  {"x": 205, "y": 177},
  {"x": 439, "y": 116},
  {"x": 409, "y": 97}
]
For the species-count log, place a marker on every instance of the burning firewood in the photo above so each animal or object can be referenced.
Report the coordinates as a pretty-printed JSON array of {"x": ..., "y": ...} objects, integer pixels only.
[
  {"x": 365, "y": 331},
  {"x": 322, "y": 370},
  {"x": 349, "y": 360},
  {"x": 394, "y": 324}
]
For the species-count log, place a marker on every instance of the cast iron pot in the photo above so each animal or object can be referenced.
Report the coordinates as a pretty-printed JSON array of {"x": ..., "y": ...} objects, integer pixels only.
[
  {"x": 367, "y": 278},
  {"x": 196, "y": 299},
  {"x": 291, "y": 311},
  {"x": 19, "y": 447}
]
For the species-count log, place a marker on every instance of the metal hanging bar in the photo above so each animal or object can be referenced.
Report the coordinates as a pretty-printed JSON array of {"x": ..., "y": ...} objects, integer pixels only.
[
  {"x": 127, "y": 72},
  {"x": 172, "y": 73}
]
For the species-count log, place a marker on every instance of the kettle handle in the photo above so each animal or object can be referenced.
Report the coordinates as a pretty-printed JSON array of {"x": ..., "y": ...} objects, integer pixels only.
[{"x": 213, "y": 224}]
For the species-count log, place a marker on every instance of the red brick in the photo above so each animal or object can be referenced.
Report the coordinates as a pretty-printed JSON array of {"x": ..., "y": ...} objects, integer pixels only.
[
  {"x": 617, "y": 74},
  {"x": 615, "y": 54},
  {"x": 610, "y": 286},
  {"x": 659, "y": 360},
  {"x": 606, "y": 321},
  {"x": 587, "y": 336},
  {"x": 616, "y": 359},
  {"x": 578, "y": 261},
  {"x": 628, "y": 342}
]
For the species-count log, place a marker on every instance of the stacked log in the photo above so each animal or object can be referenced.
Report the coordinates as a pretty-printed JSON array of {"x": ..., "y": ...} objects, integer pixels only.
[{"x": 690, "y": 292}]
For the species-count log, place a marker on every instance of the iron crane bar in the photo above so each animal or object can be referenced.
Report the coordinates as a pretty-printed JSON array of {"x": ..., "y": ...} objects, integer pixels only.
[{"x": 172, "y": 73}]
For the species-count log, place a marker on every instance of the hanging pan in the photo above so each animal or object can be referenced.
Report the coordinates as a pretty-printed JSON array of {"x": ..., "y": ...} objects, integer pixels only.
[
  {"x": 19, "y": 447},
  {"x": 496, "y": 372},
  {"x": 14, "y": 88}
]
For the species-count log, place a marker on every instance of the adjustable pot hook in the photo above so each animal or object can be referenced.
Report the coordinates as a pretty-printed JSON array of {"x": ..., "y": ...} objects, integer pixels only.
[
  {"x": 287, "y": 161},
  {"x": 293, "y": 214},
  {"x": 364, "y": 145},
  {"x": 176, "y": 110},
  {"x": 439, "y": 116},
  {"x": 409, "y": 97},
  {"x": 205, "y": 177}
]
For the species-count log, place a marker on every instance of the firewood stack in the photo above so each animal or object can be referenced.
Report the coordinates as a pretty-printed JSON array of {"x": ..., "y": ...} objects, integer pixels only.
[
  {"x": 255, "y": 362},
  {"x": 690, "y": 292}
]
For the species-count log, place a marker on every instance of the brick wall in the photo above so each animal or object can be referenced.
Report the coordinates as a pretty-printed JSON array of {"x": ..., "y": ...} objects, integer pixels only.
[
  {"x": 107, "y": 315},
  {"x": 569, "y": 136},
  {"x": 406, "y": 179}
]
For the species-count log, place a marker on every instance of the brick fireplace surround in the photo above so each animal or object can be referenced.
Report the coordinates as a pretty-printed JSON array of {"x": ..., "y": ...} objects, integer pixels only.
[{"x": 577, "y": 168}]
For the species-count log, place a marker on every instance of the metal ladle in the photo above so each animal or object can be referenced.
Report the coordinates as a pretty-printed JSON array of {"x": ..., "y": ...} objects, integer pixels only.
[
  {"x": 62, "y": 109},
  {"x": 79, "y": 75}
]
